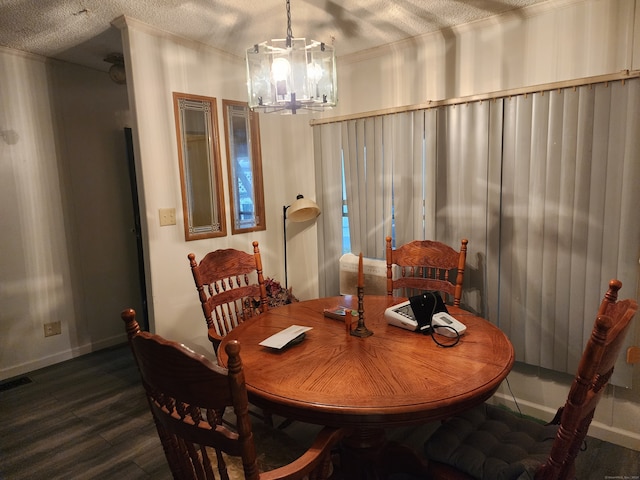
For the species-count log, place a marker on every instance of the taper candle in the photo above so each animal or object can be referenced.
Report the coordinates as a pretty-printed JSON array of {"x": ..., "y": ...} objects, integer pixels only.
[{"x": 360, "y": 272}]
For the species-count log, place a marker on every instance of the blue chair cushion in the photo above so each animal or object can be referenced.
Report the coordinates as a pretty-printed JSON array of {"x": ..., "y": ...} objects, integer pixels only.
[{"x": 491, "y": 443}]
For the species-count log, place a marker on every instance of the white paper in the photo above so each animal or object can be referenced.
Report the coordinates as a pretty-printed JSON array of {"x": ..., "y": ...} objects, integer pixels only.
[{"x": 280, "y": 339}]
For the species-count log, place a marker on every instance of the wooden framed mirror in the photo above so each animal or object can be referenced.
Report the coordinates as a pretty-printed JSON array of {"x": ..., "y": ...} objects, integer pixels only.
[
  {"x": 200, "y": 166},
  {"x": 244, "y": 167}
]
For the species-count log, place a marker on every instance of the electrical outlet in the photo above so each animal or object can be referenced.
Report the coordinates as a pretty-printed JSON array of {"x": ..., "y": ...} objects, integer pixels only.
[
  {"x": 51, "y": 329},
  {"x": 167, "y": 216}
]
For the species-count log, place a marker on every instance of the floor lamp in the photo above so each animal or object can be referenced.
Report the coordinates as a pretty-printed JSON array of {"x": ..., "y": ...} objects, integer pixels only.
[{"x": 299, "y": 211}]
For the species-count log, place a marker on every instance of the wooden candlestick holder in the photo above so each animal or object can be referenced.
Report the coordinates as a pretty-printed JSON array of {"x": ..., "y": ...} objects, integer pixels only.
[{"x": 361, "y": 330}]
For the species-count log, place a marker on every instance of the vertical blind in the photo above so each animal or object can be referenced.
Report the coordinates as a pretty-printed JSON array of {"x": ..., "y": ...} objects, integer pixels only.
[
  {"x": 544, "y": 186},
  {"x": 570, "y": 175}
]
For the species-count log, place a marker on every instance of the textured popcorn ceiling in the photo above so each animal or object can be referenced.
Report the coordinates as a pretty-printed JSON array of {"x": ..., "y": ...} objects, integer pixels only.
[{"x": 80, "y": 31}]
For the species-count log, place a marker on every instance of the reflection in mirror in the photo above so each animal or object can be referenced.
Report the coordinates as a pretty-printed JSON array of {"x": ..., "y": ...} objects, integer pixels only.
[
  {"x": 200, "y": 169},
  {"x": 244, "y": 164}
]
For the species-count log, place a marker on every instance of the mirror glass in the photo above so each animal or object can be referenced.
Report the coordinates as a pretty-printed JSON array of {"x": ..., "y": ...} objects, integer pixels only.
[
  {"x": 244, "y": 165},
  {"x": 200, "y": 170}
]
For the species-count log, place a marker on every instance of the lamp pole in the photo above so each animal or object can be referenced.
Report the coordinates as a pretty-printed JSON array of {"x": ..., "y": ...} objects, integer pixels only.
[{"x": 284, "y": 236}]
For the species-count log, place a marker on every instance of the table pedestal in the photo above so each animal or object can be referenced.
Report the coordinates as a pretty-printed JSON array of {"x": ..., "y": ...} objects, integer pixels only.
[{"x": 367, "y": 455}]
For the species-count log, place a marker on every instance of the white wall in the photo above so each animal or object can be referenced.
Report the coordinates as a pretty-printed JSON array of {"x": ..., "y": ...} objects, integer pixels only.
[
  {"x": 159, "y": 64},
  {"x": 35, "y": 277},
  {"x": 67, "y": 250},
  {"x": 553, "y": 41},
  {"x": 90, "y": 113}
]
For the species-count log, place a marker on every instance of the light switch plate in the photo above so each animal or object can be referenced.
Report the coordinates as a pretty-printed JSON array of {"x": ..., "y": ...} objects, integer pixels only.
[{"x": 167, "y": 216}]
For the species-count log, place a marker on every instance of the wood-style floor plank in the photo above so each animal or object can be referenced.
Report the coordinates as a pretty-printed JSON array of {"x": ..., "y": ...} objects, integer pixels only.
[
  {"x": 84, "y": 418},
  {"x": 88, "y": 418}
]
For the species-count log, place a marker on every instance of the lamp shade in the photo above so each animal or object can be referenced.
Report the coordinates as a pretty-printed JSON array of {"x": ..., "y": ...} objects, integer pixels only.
[{"x": 302, "y": 210}]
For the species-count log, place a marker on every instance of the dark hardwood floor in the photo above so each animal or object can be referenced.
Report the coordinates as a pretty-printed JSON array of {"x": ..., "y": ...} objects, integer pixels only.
[
  {"x": 80, "y": 419},
  {"x": 87, "y": 418}
]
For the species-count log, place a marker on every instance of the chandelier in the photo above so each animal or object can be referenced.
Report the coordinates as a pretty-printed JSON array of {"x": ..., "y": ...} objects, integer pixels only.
[{"x": 288, "y": 75}]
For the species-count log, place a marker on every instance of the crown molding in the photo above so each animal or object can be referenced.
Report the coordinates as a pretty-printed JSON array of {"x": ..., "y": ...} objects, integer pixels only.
[{"x": 124, "y": 22}]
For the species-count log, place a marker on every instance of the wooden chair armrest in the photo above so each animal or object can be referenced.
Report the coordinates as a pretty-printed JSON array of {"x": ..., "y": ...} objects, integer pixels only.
[
  {"x": 214, "y": 338},
  {"x": 309, "y": 460}
]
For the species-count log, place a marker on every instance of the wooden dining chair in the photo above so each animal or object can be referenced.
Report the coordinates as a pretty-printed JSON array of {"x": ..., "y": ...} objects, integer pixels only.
[
  {"x": 231, "y": 289},
  {"x": 491, "y": 442},
  {"x": 188, "y": 396},
  {"x": 426, "y": 265}
]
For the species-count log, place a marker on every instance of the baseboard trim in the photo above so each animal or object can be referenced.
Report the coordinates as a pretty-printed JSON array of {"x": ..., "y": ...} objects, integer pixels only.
[
  {"x": 601, "y": 431},
  {"x": 58, "y": 357}
]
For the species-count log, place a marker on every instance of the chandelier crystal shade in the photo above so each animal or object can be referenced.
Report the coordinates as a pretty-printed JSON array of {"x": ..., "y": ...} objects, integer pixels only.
[{"x": 287, "y": 75}]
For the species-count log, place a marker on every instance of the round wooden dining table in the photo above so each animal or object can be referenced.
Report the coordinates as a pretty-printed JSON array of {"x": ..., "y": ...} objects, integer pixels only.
[{"x": 393, "y": 377}]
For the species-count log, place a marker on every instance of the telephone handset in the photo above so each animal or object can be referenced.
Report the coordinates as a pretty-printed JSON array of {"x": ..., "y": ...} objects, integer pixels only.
[{"x": 425, "y": 313}]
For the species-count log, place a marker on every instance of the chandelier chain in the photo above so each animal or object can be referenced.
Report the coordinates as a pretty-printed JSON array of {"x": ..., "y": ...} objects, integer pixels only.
[{"x": 289, "y": 33}]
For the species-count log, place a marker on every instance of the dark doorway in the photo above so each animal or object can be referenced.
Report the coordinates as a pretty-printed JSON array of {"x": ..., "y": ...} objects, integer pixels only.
[{"x": 144, "y": 321}]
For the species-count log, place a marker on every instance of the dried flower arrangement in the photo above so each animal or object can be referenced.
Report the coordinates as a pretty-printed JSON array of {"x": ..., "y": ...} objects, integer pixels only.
[{"x": 277, "y": 295}]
